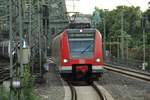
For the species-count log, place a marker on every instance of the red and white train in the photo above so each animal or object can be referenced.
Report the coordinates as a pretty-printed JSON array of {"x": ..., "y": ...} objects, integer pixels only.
[{"x": 78, "y": 54}]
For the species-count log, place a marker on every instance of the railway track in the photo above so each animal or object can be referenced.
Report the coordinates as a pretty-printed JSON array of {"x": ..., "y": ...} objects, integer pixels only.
[
  {"x": 4, "y": 75},
  {"x": 130, "y": 72},
  {"x": 4, "y": 71},
  {"x": 88, "y": 92}
]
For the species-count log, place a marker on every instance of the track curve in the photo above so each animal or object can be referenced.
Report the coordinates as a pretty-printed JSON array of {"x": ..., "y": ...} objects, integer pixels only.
[{"x": 88, "y": 92}]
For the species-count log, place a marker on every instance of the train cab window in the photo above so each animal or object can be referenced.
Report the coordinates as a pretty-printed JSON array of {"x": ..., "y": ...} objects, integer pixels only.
[{"x": 81, "y": 45}]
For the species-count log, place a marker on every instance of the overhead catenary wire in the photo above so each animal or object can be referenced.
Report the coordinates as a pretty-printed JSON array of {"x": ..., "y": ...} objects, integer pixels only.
[{"x": 130, "y": 3}]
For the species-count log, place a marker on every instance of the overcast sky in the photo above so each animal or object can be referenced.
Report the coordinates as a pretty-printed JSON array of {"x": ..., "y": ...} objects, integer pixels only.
[{"x": 87, "y": 6}]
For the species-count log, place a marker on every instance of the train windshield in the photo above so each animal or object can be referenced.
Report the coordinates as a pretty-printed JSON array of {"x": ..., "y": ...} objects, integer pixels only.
[{"x": 81, "y": 46}]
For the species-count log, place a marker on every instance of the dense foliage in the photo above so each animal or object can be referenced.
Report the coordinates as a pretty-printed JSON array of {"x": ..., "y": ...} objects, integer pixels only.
[{"x": 132, "y": 31}]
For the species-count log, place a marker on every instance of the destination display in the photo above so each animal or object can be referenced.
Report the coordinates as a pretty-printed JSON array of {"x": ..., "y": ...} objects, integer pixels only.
[{"x": 81, "y": 35}]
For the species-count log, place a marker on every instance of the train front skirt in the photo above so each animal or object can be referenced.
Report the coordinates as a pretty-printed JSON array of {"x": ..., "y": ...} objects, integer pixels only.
[{"x": 81, "y": 72}]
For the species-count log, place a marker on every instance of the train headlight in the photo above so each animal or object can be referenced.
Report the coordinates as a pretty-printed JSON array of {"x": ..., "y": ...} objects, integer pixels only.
[
  {"x": 65, "y": 60},
  {"x": 98, "y": 59}
]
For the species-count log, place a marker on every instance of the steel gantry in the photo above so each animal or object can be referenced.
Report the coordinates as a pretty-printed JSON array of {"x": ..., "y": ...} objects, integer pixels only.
[
  {"x": 24, "y": 23},
  {"x": 21, "y": 33},
  {"x": 15, "y": 34},
  {"x": 45, "y": 18},
  {"x": 58, "y": 19},
  {"x": 3, "y": 20},
  {"x": 29, "y": 24}
]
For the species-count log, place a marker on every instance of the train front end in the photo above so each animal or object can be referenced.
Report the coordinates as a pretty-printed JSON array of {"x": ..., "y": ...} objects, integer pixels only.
[{"x": 81, "y": 54}]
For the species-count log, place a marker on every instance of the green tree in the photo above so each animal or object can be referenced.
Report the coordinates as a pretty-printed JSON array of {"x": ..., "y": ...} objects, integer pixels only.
[
  {"x": 132, "y": 27},
  {"x": 113, "y": 22}
]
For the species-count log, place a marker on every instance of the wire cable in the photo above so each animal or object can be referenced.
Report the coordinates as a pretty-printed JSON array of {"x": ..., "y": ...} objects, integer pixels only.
[{"x": 130, "y": 2}]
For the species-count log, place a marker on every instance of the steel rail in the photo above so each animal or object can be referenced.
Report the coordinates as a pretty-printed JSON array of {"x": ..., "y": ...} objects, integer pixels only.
[
  {"x": 101, "y": 93},
  {"x": 4, "y": 75},
  {"x": 73, "y": 92},
  {"x": 128, "y": 69},
  {"x": 129, "y": 72}
]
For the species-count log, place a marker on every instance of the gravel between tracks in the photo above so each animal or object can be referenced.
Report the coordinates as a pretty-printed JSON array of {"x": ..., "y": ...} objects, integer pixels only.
[
  {"x": 53, "y": 88},
  {"x": 125, "y": 88}
]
